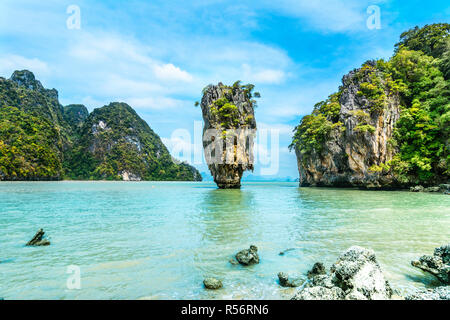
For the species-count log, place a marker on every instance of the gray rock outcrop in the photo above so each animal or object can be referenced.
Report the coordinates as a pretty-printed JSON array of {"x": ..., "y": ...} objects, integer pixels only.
[
  {"x": 444, "y": 188},
  {"x": 359, "y": 142},
  {"x": 355, "y": 276},
  {"x": 317, "y": 269},
  {"x": 417, "y": 189},
  {"x": 248, "y": 257},
  {"x": 228, "y": 132},
  {"x": 438, "y": 264},
  {"x": 439, "y": 293}
]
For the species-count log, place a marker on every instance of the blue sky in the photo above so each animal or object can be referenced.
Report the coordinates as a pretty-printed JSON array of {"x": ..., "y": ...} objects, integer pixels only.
[{"x": 158, "y": 55}]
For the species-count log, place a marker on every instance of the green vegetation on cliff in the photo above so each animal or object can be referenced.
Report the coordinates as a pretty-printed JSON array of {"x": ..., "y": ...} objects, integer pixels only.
[
  {"x": 30, "y": 148},
  {"x": 42, "y": 140},
  {"x": 225, "y": 112},
  {"x": 32, "y": 131},
  {"x": 114, "y": 140},
  {"x": 418, "y": 74}
]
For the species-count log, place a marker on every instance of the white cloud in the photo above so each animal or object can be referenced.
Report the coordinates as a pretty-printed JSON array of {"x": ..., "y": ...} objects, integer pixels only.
[
  {"x": 263, "y": 76},
  {"x": 125, "y": 69},
  {"x": 171, "y": 73},
  {"x": 269, "y": 76},
  {"x": 158, "y": 103},
  {"x": 9, "y": 63},
  {"x": 125, "y": 85},
  {"x": 326, "y": 15}
]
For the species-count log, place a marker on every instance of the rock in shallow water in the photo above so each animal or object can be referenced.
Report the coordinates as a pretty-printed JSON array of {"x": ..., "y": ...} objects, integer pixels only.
[
  {"x": 284, "y": 281},
  {"x": 438, "y": 264},
  {"x": 355, "y": 276},
  {"x": 212, "y": 283},
  {"x": 38, "y": 239},
  {"x": 248, "y": 256}
]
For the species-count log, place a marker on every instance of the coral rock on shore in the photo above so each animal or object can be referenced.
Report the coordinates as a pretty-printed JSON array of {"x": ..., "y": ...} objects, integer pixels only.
[
  {"x": 439, "y": 293},
  {"x": 317, "y": 269},
  {"x": 438, "y": 264},
  {"x": 355, "y": 276}
]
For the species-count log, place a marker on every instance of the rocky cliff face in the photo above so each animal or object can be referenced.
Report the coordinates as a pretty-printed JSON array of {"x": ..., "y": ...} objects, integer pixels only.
[
  {"x": 359, "y": 141},
  {"x": 229, "y": 126},
  {"x": 388, "y": 124}
]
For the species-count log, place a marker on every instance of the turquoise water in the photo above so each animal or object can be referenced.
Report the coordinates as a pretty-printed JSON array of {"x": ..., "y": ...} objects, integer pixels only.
[{"x": 158, "y": 240}]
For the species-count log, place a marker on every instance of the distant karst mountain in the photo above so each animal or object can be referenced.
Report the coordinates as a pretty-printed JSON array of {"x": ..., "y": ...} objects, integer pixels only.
[{"x": 42, "y": 140}]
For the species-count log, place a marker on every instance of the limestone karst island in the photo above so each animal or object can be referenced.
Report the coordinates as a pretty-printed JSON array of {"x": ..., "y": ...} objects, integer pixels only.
[
  {"x": 247, "y": 152},
  {"x": 228, "y": 132}
]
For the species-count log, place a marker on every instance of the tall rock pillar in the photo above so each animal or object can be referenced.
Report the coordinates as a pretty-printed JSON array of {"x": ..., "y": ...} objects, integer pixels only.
[{"x": 229, "y": 131}]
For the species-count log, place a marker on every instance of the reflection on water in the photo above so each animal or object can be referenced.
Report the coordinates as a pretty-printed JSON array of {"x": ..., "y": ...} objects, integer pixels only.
[
  {"x": 159, "y": 240},
  {"x": 225, "y": 215}
]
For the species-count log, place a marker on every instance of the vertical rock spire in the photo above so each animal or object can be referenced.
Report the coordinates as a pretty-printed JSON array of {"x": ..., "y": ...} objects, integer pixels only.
[{"x": 228, "y": 132}]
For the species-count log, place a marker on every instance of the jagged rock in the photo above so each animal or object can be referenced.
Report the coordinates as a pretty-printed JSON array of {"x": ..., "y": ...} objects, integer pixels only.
[
  {"x": 248, "y": 256},
  {"x": 26, "y": 79},
  {"x": 438, "y": 264},
  {"x": 233, "y": 262},
  {"x": 317, "y": 269},
  {"x": 359, "y": 140},
  {"x": 439, "y": 293},
  {"x": 228, "y": 132},
  {"x": 284, "y": 280},
  {"x": 416, "y": 189},
  {"x": 355, "y": 276},
  {"x": 38, "y": 239},
  {"x": 212, "y": 283},
  {"x": 320, "y": 293}
]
